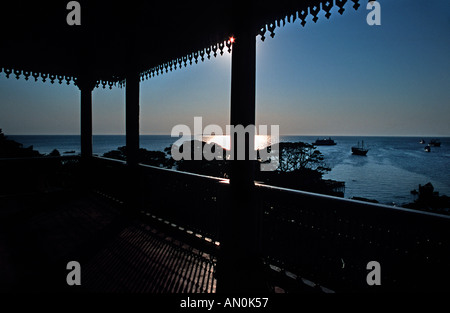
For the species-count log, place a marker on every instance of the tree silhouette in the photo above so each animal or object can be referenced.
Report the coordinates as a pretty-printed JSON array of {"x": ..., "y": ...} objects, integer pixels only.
[
  {"x": 155, "y": 158},
  {"x": 299, "y": 156}
]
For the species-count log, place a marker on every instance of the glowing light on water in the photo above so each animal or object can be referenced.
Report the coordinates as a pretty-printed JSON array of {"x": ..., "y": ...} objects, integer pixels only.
[{"x": 261, "y": 141}]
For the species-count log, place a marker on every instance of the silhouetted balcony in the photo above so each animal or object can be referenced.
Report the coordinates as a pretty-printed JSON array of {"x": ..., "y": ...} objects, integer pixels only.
[
  {"x": 169, "y": 239},
  {"x": 138, "y": 228}
]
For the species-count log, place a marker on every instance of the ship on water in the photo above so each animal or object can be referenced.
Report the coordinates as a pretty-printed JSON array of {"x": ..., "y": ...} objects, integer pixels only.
[
  {"x": 324, "y": 142},
  {"x": 434, "y": 143},
  {"x": 360, "y": 150}
]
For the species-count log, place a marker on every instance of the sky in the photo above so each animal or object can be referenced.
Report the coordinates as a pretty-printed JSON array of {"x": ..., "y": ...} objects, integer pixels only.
[{"x": 334, "y": 77}]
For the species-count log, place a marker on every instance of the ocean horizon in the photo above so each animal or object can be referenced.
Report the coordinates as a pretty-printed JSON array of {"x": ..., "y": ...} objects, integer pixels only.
[{"x": 393, "y": 167}]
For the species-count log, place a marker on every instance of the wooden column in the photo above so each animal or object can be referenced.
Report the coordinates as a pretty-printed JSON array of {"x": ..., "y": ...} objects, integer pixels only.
[
  {"x": 243, "y": 72},
  {"x": 240, "y": 268},
  {"x": 132, "y": 118},
  {"x": 132, "y": 180},
  {"x": 243, "y": 76},
  {"x": 86, "y": 85}
]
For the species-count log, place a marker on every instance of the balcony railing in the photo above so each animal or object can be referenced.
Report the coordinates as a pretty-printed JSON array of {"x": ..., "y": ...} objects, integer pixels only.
[
  {"x": 188, "y": 203},
  {"x": 306, "y": 237},
  {"x": 324, "y": 239},
  {"x": 330, "y": 241}
]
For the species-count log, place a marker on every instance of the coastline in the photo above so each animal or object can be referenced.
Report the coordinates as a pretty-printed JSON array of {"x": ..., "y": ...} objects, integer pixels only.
[{"x": 393, "y": 167}]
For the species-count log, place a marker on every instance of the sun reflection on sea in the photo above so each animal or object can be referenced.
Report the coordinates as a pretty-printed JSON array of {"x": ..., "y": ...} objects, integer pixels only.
[{"x": 261, "y": 141}]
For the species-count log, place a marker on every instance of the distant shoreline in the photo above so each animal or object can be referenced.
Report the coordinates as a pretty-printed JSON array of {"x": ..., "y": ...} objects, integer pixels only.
[{"x": 394, "y": 166}]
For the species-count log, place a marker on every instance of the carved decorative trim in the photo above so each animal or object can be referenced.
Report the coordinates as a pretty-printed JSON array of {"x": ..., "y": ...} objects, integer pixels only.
[
  {"x": 36, "y": 75},
  {"x": 58, "y": 78},
  {"x": 302, "y": 14},
  {"x": 214, "y": 49},
  {"x": 193, "y": 57}
]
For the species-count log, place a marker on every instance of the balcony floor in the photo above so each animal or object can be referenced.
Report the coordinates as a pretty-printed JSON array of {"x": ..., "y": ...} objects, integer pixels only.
[{"x": 41, "y": 233}]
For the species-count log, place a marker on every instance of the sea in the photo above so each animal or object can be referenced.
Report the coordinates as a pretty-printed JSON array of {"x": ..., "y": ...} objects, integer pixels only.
[{"x": 393, "y": 167}]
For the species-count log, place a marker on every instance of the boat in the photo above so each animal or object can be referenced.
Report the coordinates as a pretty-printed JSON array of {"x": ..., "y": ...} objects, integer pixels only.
[
  {"x": 428, "y": 148},
  {"x": 435, "y": 143},
  {"x": 422, "y": 141},
  {"x": 325, "y": 142},
  {"x": 360, "y": 150}
]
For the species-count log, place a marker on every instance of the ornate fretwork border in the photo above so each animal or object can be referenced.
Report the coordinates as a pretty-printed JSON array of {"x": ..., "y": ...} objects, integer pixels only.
[
  {"x": 190, "y": 58},
  {"x": 206, "y": 53},
  {"x": 53, "y": 78},
  {"x": 324, "y": 5},
  {"x": 302, "y": 14}
]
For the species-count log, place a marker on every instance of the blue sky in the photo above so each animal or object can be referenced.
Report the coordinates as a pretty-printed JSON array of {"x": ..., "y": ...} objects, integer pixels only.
[{"x": 334, "y": 77}]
